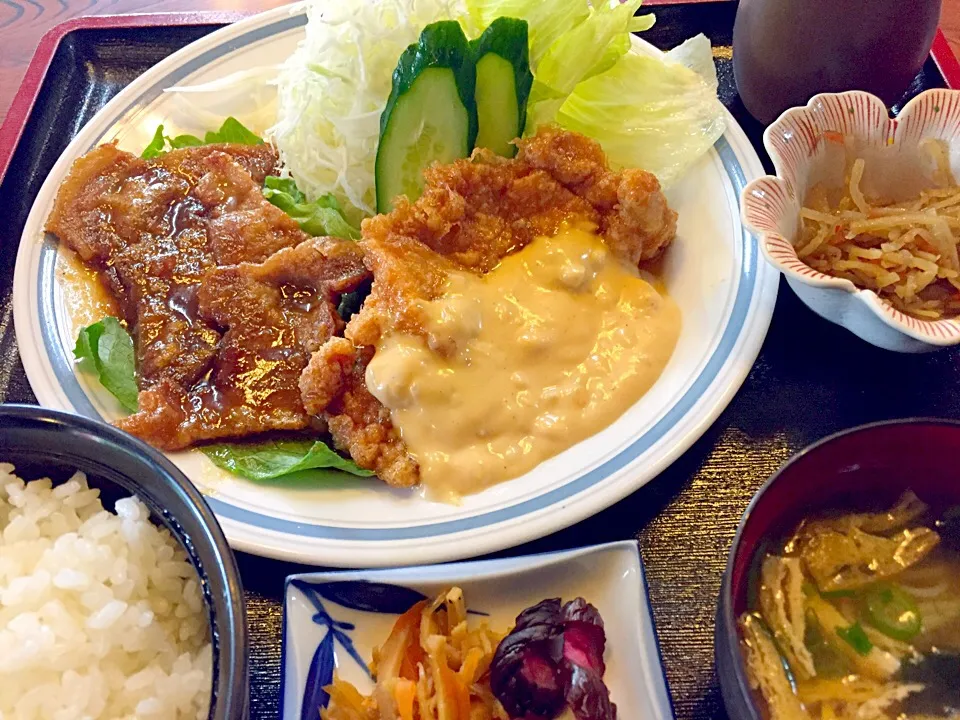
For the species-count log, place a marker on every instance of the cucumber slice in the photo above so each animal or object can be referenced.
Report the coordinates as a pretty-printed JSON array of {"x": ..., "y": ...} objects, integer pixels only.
[
  {"x": 503, "y": 84},
  {"x": 431, "y": 115}
]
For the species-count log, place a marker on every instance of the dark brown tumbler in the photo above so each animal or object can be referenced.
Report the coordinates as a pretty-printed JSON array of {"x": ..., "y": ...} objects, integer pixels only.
[{"x": 786, "y": 51}]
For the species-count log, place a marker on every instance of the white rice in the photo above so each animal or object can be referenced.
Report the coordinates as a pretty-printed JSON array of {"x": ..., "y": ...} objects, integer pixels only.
[{"x": 101, "y": 614}]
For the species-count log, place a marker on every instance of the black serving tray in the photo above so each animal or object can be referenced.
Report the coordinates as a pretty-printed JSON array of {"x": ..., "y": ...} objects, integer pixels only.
[{"x": 811, "y": 379}]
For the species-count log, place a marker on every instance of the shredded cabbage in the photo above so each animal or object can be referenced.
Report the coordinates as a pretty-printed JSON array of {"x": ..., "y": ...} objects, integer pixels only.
[
  {"x": 646, "y": 112},
  {"x": 649, "y": 112},
  {"x": 247, "y": 95},
  {"x": 332, "y": 90}
]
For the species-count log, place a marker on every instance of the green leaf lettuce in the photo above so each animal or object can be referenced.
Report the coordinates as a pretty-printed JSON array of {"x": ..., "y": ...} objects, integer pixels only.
[
  {"x": 107, "y": 348},
  {"x": 320, "y": 217},
  {"x": 275, "y": 458},
  {"x": 647, "y": 112},
  {"x": 232, "y": 131}
]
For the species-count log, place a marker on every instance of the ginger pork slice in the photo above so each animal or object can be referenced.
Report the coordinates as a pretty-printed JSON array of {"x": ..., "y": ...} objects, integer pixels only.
[
  {"x": 152, "y": 228},
  {"x": 225, "y": 295},
  {"x": 273, "y": 316}
]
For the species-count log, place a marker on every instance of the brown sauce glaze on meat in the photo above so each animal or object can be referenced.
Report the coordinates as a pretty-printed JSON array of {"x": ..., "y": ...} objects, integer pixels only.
[
  {"x": 152, "y": 228},
  {"x": 223, "y": 321},
  {"x": 273, "y": 316}
]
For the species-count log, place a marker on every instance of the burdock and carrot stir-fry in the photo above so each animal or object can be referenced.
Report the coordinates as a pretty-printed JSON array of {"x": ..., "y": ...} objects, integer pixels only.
[{"x": 438, "y": 664}]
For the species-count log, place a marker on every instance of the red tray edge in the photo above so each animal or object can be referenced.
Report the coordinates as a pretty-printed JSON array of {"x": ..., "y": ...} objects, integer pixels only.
[
  {"x": 945, "y": 59},
  {"x": 16, "y": 119},
  {"x": 13, "y": 125}
]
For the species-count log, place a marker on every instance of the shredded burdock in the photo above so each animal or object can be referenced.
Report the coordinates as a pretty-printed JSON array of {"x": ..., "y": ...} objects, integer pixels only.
[
  {"x": 906, "y": 252},
  {"x": 435, "y": 665}
]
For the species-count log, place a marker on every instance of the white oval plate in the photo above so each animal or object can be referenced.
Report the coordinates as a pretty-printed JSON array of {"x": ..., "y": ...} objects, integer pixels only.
[{"x": 713, "y": 271}]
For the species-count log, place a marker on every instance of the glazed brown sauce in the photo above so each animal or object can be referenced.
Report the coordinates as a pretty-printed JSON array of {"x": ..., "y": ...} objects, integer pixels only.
[
  {"x": 84, "y": 297},
  {"x": 261, "y": 373},
  {"x": 180, "y": 243},
  {"x": 182, "y": 301}
]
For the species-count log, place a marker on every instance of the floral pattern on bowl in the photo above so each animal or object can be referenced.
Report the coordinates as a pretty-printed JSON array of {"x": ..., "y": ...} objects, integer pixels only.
[
  {"x": 333, "y": 621},
  {"x": 798, "y": 143}
]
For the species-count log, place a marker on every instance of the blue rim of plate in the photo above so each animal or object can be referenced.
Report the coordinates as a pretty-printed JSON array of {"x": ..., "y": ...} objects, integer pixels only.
[{"x": 63, "y": 365}]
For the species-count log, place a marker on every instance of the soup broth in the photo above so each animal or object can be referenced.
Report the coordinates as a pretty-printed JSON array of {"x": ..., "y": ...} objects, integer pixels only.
[{"x": 857, "y": 616}]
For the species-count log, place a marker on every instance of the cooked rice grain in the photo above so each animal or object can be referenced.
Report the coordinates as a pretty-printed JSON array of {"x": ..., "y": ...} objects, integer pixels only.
[{"x": 101, "y": 614}]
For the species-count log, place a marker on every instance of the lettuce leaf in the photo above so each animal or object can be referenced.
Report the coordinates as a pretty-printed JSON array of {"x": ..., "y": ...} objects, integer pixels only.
[
  {"x": 184, "y": 141},
  {"x": 649, "y": 113},
  {"x": 547, "y": 21},
  {"x": 107, "y": 348},
  {"x": 657, "y": 113},
  {"x": 232, "y": 131},
  {"x": 275, "y": 458},
  {"x": 321, "y": 217},
  {"x": 596, "y": 43},
  {"x": 696, "y": 53},
  {"x": 318, "y": 218},
  {"x": 156, "y": 146}
]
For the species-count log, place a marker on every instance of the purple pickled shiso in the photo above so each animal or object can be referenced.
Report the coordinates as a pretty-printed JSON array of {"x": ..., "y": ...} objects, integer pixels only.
[{"x": 552, "y": 662}]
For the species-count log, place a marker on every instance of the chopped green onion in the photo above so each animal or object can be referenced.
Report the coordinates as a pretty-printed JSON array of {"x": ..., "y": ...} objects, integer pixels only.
[
  {"x": 893, "y": 612},
  {"x": 856, "y": 638}
]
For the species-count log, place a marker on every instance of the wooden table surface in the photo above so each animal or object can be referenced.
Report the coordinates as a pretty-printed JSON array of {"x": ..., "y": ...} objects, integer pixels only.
[{"x": 23, "y": 23}]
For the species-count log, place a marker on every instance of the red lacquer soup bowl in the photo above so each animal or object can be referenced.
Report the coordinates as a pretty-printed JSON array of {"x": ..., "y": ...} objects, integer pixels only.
[{"x": 866, "y": 467}]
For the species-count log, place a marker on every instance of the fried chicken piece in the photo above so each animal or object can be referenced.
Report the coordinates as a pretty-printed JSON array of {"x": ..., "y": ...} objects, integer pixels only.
[
  {"x": 406, "y": 272},
  {"x": 333, "y": 384},
  {"x": 273, "y": 315},
  {"x": 635, "y": 220},
  {"x": 471, "y": 214},
  {"x": 477, "y": 211}
]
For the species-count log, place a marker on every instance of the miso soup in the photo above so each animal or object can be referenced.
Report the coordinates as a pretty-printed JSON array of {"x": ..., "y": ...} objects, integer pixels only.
[{"x": 856, "y": 616}]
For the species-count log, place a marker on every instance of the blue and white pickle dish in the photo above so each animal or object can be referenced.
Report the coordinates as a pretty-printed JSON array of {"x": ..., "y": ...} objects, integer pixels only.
[{"x": 334, "y": 620}]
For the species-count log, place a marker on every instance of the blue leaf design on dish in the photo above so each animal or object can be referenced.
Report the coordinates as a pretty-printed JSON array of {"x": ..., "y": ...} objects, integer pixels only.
[
  {"x": 319, "y": 676},
  {"x": 380, "y": 598},
  {"x": 335, "y": 630},
  {"x": 369, "y": 596}
]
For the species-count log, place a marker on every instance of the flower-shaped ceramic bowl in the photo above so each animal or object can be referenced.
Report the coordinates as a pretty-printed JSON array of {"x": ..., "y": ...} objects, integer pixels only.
[{"x": 803, "y": 144}]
